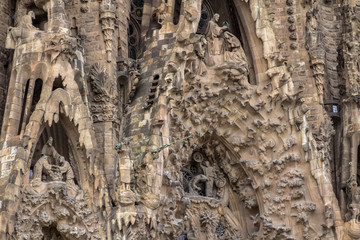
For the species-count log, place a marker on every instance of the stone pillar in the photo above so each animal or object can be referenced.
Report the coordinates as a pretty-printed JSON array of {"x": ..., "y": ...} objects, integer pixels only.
[
  {"x": 58, "y": 19},
  {"x": 5, "y": 22},
  {"x": 123, "y": 12}
]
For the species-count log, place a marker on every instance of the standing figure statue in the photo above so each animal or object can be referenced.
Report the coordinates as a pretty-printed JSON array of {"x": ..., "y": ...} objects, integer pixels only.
[
  {"x": 209, "y": 172},
  {"x": 42, "y": 165},
  {"x": 214, "y": 35}
]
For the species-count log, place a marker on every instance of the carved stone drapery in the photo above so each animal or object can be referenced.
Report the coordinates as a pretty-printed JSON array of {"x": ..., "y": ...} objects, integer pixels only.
[{"x": 107, "y": 21}]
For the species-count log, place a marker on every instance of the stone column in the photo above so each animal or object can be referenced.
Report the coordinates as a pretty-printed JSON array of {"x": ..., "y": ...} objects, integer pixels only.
[{"x": 5, "y": 22}]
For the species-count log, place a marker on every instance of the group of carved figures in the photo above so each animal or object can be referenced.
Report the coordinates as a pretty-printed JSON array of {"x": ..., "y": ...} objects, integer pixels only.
[
  {"x": 52, "y": 167},
  {"x": 203, "y": 178},
  {"x": 218, "y": 46}
]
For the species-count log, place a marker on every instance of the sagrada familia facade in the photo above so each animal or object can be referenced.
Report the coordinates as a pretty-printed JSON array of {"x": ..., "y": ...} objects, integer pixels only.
[{"x": 180, "y": 119}]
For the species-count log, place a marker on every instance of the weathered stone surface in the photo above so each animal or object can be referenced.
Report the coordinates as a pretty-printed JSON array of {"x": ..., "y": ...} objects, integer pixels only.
[{"x": 169, "y": 119}]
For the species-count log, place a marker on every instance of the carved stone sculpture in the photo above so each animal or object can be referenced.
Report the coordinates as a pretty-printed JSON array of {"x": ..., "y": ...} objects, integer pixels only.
[
  {"x": 159, "y": 13},
  {"x": 107, "y": 20},
  {"x": 132, "y": 119},
  {"x": 26, "y": 21},
  {"x": 209, "y": 172},
  {"x": 214, "y": 36}
]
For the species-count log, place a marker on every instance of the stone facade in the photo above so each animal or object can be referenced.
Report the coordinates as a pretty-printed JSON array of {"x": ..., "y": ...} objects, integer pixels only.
[{"x": 179, "y": 119}]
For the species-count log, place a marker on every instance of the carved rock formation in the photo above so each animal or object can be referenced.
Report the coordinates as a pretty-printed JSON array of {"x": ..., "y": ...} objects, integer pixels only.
[{"x": 172, "y": 119}]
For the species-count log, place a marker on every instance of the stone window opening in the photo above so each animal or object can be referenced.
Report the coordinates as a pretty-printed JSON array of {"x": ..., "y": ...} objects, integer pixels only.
[
  {"x": 189, "y": 172},
  {"x": 206, "y": 14},
  {"x": 134, "y": 40},
  {"x": 58, "y": 83},
  {"x": 23, "y": 106},
  {"x": 135, "y": 22},
  {"x": 123, "y": 91},
  {"x": 177, "y": 11},
  {"x": 74, "y": 28},
  {"x": 31, "y": 98},
  {"x": 36, "y": 95}
]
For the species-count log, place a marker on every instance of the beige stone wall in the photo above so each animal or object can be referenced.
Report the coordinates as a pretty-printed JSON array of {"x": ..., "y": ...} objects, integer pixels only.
[{"x": 228, "y": 134}]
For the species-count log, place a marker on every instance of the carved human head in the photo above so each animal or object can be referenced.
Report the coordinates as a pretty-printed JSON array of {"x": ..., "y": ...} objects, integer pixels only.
[
  {"x": 61, "y": 159},
  {"x": 216, "y": 17},
  {"x": 31, "y": 14},
  {"x": 203, "y": 40},
  {"x": 50, "y": 141}
]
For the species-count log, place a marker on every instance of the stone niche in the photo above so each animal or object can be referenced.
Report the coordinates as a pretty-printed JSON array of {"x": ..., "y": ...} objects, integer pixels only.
[
  {"x": 55, "y": 202},
  {"x": 221, "y": 201}
]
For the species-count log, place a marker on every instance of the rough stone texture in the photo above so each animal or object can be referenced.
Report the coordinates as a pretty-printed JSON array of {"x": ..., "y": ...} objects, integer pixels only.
[
  {"x": 170, "y": 119},
  {"x": 6, "y": 11}
]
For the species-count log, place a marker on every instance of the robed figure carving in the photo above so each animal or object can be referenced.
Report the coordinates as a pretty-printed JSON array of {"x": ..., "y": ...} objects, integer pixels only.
[{"x": 52, "y": 167}]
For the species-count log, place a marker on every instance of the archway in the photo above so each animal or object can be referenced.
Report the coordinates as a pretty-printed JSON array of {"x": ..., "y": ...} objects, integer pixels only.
[{"x": 224, "y": 203}]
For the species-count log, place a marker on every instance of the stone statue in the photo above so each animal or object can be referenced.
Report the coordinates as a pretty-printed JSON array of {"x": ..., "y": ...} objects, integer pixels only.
[
  {"x": 188, "y": 28},
  {"x": 214, "y": 35},
  {"x": 193, "y": 184},
  {"x": 14, "y": 34},
  {"x": 195, "y": 64},
  {"x": 42, "y": 165},
  {"x": 43, "y": 170},
  {"x": 53, "y": 172},
  {"x": 53, "y": 167},
  {"x": 49, "y": 150},
  {"x": 124, "y": 195},
  {"x": 314, "y": 36},
  {"x": 159, "y": 13},
  {"x": 210, "y": 174},
  {"x": 149, "y": 167},
  {"x": 351, "y": 225},
  {"x": 65, "y": 168},
  {"x": 234, "y": 52},
  {"x": 26, "y": 21}
]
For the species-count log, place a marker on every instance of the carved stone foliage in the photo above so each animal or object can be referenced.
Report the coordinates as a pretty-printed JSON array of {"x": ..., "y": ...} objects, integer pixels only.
[{"x": 103, "y": 107}]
